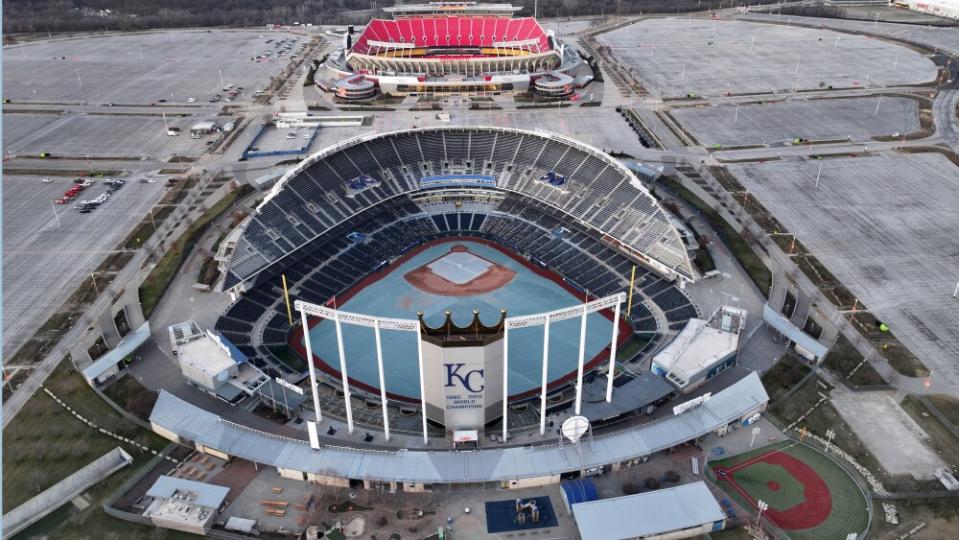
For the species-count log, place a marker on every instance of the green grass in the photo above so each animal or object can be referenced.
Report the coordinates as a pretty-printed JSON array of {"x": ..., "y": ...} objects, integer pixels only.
[
  {"x": 289, "y": 357},
  {"x": 902, "y": 360},
  {"x": 941, "y": 439},
  {"x": 132, "y": 396},
  {"x": 843, "y": 358},
  {"x": 45, "y": 443},
  {"x": 155, "y": 285},
  {"x": 849, "y": 510},
  {"x": 631, "y": 347},
  {"x": 740, "y": 249},
  {"x": 754, "y": 480},
  {"x": 948, "y": 406},
  {"x": 783, "y": 376}
]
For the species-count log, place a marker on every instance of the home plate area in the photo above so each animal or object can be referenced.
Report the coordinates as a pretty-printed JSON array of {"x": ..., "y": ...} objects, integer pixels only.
[{"x": 460, "y": 273}]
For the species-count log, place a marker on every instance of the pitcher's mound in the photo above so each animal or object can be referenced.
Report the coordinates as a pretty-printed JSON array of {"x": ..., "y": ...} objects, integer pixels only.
[{"x": 460, "y": 273}]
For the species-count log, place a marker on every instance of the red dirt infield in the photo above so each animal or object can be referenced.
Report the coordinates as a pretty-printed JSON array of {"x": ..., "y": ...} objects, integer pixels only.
[
  {"x": 424, "y": 279},
  {"x": 817, "y": 505}
]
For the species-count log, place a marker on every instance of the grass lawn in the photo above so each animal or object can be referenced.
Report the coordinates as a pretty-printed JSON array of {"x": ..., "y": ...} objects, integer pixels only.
[
  {"x": 132, "y": 396},
  {"x": 948, "y": 406},
  {"x": 286, "y": 355},
  {"x": 902, "y": 360},
  {"x": 631, "y": 347},
  {"x": 782, "y": 376},
  {"x": 844, "y": 357},
  {"x": 848, "y": 512},
  {"x": 942, "y": 441},
  {"x": 45, "y": 443}
]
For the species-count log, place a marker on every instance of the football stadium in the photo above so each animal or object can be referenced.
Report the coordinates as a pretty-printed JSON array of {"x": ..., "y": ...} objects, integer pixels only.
[{"x": 451, "y": 48}]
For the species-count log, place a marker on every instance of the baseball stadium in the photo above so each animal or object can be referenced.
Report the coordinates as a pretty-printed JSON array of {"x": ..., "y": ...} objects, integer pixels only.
[
  {"x": 448, "y": 223},
  {"x": 451, "y": 48}
]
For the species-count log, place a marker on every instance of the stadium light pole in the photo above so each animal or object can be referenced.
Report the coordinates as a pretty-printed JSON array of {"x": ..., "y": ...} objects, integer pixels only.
[
  {"x": 310, "y": 368},
  {"x": 542, "y": 399},
  {"x": 819, "y": 174},
  {"x": 579, "y": 366},
  {"x": 343, "y": 375},
  {"x": 956, "y": 292},
  {"x": 762, "y": 506},
  {"x": 505, "y": 379},
  {"x": 379, "y": 366},
  {"x": 612, "y": 356}
]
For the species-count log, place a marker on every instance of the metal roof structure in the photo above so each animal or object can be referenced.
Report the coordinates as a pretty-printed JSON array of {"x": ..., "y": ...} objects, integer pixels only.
[
  {"x": 646, "y": 514},
  {"x": 130, "y": 343},
  {"x": 785, "y": 327},
  {"x": 172, "y": 415},
  {"x": 205, "y": 495},
  {"x": 635, "y": 394}
]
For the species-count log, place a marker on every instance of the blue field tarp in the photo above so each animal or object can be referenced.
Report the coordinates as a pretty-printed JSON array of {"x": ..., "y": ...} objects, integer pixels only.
[{"x": 578, "y": 491}]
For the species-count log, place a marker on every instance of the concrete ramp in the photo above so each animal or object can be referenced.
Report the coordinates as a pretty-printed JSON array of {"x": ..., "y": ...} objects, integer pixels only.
[{"x": 60, "y": 493}]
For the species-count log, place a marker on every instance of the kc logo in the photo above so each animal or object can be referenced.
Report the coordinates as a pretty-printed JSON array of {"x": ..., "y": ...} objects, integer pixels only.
[{"x": 453, "y": 371}]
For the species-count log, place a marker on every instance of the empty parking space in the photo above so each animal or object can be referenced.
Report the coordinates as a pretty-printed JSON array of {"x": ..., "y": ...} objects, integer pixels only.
[
  {"x": 675, "y": 57},
  {"x": 856, "y": 119},
  {"x": 885, "y": 225},
  {"x": 140, "y": 68},
  {"x": 43, "y": 262},
  {"x": 100, "y": 135}
]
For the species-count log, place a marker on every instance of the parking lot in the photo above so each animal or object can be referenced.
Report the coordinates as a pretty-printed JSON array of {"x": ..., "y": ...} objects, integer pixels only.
[
  {"x": 885, "y": 225},
  {"x": 44, "y": 263},
  {"x": 99, "y": 135},
  {"x": 858, "y": 119},
  {"x": 174, "y": 66},
  {"x": 274, "y": 139},
  {"x": 676, "y": 57}
]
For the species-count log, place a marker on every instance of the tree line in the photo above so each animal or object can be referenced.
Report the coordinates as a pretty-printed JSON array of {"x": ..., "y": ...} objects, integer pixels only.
[{"x": 54, "y": 16}]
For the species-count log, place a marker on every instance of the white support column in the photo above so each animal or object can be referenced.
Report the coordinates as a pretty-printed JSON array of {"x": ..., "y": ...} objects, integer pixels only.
[
  {"x": 505, "y": 381},
  {"x": 579, "y": 366},
  {"x": 310, "y": 367},
  {"x": 542, "y": 399},
  {"x": 419, "y": 356},
  {"x": 379, "y": 366},
  {"x": 343, "y": 375},
  {"x": 612, "y": 355}
]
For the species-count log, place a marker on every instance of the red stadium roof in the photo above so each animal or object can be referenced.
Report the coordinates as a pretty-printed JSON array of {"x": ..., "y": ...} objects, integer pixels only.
[{"x": 452, "y": 31}]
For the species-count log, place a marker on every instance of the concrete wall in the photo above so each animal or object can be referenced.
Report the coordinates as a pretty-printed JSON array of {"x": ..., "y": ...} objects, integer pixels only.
[
  {"x": 165, "y": 433},
  {"x": 215, "y": 453},
  {"x": 291, "y": 474},
  {"x": 324, "y": 480},
  {"x": 532, "y": 482}
]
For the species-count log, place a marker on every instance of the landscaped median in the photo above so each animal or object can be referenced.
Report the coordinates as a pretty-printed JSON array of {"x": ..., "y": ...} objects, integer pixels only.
[{"x": 155, "y": 285}]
